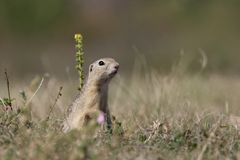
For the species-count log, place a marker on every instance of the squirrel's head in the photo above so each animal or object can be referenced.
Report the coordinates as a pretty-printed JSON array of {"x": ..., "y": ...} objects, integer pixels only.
[{"x": 103, "y": 70}]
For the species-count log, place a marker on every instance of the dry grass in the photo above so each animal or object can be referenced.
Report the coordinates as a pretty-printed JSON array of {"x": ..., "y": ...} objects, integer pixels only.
[{"x": 175, "y": 116}]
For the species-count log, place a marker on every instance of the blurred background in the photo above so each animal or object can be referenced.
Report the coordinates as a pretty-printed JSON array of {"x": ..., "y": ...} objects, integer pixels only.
[{"x": 36, "y": 37}]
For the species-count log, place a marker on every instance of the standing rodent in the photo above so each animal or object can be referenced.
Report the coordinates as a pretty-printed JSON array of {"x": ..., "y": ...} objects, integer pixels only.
[{"x": 93, "y": 99}]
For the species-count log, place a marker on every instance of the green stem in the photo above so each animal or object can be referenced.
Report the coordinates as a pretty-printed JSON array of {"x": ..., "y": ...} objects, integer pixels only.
[{"x": 79, "y": 59}]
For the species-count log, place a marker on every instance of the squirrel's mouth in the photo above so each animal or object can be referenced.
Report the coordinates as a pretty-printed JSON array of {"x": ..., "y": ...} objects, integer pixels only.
[{"x": 113, "y": 73}]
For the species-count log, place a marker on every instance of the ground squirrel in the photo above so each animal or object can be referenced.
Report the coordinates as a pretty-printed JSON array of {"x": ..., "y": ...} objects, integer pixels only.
[{"x": 93, "y": 98}]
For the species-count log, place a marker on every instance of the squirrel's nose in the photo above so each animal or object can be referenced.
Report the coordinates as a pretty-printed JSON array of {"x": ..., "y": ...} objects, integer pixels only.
[{"x": 116, "y": 67}]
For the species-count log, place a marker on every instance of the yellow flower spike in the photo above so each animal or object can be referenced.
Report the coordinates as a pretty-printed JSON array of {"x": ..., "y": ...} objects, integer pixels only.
[{"x": 79, "y": 59}]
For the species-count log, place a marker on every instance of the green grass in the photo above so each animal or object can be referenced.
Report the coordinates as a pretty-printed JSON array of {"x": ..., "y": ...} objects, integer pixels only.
[{"x": 174, "y": 116}]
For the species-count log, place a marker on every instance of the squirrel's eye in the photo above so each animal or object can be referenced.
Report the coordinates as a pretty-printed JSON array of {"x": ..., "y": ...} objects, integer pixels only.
[{"x": 101, "y": 63}]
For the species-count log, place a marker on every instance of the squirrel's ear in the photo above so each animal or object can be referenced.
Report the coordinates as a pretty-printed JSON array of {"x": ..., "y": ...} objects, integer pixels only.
[{"x": 91, "y": 68}]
